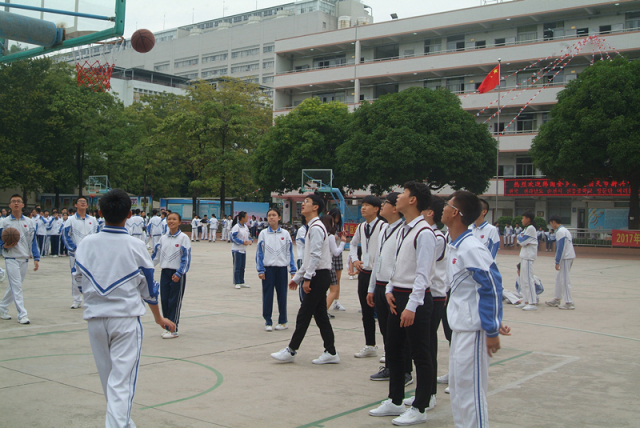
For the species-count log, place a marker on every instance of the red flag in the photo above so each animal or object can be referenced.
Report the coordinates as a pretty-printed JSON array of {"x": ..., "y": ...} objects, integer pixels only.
[{"x": 491, "y": 81}]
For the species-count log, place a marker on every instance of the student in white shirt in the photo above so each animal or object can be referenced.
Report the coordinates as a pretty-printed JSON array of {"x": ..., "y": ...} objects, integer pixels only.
[
  {"x": 410, "y": 306},
  {"x": 508, "y": 235},
  {"x": 115, "y": 285},
  {"x": 273, "y": 256},
  {"x": 195, "y": 233},
  {"x": 173, "y": 253},
  {"x": 485, "y": 232},
  {"x": 213, "y": 228},
  {"x": 154, "y": 228},
  {"x": 300, "y": 241},
  {"x": 528, "y": 241},
  {"x": 314, "y": 276},
  {"x": 53, "y": 234},
  {"x": 367, "y": 234},
  {"x": 565, "y": 255},
  {"x": 229, "y": 227},
  {"x": 240, "y": 239},
  {"x": 204, "y": 228}
]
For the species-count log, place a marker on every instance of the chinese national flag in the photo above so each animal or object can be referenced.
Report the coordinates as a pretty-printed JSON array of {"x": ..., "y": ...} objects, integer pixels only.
[{"x": 491, "y": 81}]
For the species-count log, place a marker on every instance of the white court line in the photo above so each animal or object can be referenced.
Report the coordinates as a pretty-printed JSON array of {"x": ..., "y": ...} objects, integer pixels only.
[
  {"x": 36, "y": 327},
  {"x": 569, "y": 359}
]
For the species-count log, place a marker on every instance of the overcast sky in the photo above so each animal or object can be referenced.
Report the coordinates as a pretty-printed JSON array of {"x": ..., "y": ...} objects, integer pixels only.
[{"x": 164, "y": 14}]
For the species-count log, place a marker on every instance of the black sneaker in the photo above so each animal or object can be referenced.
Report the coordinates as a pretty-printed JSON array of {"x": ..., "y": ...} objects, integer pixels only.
[
  {"x": 331, "y": 315},
  {"x": 408, "y": 380},
  {"x": 383, "y": 374}
]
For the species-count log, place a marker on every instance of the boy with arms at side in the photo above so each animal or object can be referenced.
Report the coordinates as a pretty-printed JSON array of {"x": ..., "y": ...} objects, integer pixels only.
[
  {"x": 367, "y": 234},
  {"x": 508, "y": 235},
  {"x": 315, "y": 276},
  {"x": 528, "y": 241},
  {"x": 114, "y": 284},
  {"x": 410, "y": 306},
  {"x": 474, "y": 312},
  {"x": 485, "y": 232},
  {"x": 565, "y": 255}
]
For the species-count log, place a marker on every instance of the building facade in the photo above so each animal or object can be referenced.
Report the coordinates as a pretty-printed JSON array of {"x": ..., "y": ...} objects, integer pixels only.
[{"x": 456, "y": 50}]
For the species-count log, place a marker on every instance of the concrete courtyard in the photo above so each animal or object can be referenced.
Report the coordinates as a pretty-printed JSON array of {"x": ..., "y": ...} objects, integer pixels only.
[{"x": 558, "y": 369}]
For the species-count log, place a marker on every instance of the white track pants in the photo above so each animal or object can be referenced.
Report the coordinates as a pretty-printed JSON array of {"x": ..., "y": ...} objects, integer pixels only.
[
  {"x": 75, "y": 293},
  {"x": 527, "y": 282},
  {"x": 469, "y": 379},
  {"x": 212, "y": 235},
  {"x": 205, "y": 233},
  {"x": 16, "y": 272},
  {"x": 563, "y": 284},
  {"x": 225, "y": 234},
  {"x": 116, "y": 345}
]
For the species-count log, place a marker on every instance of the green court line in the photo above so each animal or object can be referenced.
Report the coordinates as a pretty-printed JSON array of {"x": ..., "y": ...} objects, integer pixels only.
[
  {"x": 576, "y": 329},
  {"x": 219, "y": 376},
  {"x": 318, "y": 423}
]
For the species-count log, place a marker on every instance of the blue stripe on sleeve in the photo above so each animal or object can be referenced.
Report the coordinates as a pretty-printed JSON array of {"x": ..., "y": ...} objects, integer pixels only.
[
  {"x": 152, "y": 285},
  {"x": 559, "y": 249},
  {"x": 260, "y": 258},
  {"x": 292, "y": 260},
  {"x": 490, "y": 298},
  {"x": 68, "y": 242},
  {"x": 493, "y": 248},
  {"x": 185, "y": 261},
  {"x": 34, "y": 248},
  {"x": 155, "y": 256},
  {"x": 234, "y": 238}
]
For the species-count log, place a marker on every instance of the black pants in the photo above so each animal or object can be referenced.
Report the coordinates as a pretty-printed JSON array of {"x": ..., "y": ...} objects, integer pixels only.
[
  {"x": 368, "y": 317},
  {"x": 445, "y": 321},
  {"x": 55, "y": 244},
  {"x": 382, "y": 309},
  {"x": 436, "y": 317},
  {"x": 314, "y": 304},
  {"x": 418, "y": 335},
  {"x": 171, "y": 295}
]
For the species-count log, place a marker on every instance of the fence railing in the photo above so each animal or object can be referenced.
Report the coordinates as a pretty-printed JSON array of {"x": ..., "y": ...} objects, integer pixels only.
[{"x": 591, "y": 237}]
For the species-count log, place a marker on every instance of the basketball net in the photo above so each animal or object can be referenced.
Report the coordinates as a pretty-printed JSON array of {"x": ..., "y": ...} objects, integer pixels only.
[{"x": 95, "y": 66}]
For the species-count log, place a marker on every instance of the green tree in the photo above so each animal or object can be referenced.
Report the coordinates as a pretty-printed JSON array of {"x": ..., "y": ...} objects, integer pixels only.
[
  {"x": 308, "y": 137},
  {"x": 594, "y": 130},
  {"x": 417, "y": 134}
]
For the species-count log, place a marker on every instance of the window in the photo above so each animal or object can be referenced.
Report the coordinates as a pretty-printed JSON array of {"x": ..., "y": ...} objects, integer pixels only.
[
  {"x": 215, "y": 72},
  {"x": 506, "y": 171},
  {"x": 245, "y": 67},
  {"x": 433, "y": 84},
  {"x": 605, "y": 29},
  {"x": 582, "y": 32},
  {"x": 324, "y": 25},
  {"x": 526, "y": 123},
  {"x": 500, "y": 42},
  {"x": 481, "y": 44},
  {"x": 527, "y": 33},
  {"x": 632, "y": 20},
  {"x": 384, "y": 89},
  {"x": 545, "y": 117},
  {"x": 386, "y": 52},
  {"x": 189, "y": 76},
  {"x": 432, "y": 46},
  {"x": 497, "y": 129},
  {"x": 161, "y": 67},
  {"x": 268, "y": 64},
  {"x": 302, "y": 67},
  {"x": 523, "y": 205},
  {"x": 185, "y": 63},
  {"x": 251, "y": 79},
  {"x": 455, "y": 43},
  {"x": 331, "y": 96},
  {"x": 553, "y": 30},
  {"x": 408, "y": 53},
  {"x": 329, "y": 61},
  {"x": 267, "y": 49},
  {"x": 456, "y": 85},
  {"x": 245, "y": 52},
  {"x": 267, "y": 79},
  {"x": 221, "y": 56},
  {"x": 561, "y": 207},
  {"x": 524, "y": 167}
]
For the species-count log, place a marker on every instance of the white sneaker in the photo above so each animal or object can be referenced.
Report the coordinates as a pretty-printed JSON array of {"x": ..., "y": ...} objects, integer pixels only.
[
  {"x": 327, "y": 358},
  {"x": 268, "y": 328},
  {"x": 55, "y": 257},
  {"x": 168, "y": 335},
  {"x": 5, "y": 316},
  {"x": 569, "y": 306},
  {"x": 238, "y": 286},
  {"x": 530, "y": 308},
  {"x": 75, "y": 305},
  {"x": 383, "y": 359},
  {"x": 338, "y": 307},
  {"x": 281, "y": 327},
  {"x": 24, "y": 320},
  {"x": 164, "y": 330},
  {"x": 411, "y": 417},
  {"x": 387, "y": 408},
  {"x": 432, "y": 402},
  {"x": 352, "y": 277},
  {"x": 409, "y": 401},
  {"x": 245, "y": 286},
  {"x": 443, "y": 379},
  {"x": 284, "y": 355},
  {"x": 367, "y": 351},
  {"x": 521, "y": 305},
  {"x": 446, "y": 390}
]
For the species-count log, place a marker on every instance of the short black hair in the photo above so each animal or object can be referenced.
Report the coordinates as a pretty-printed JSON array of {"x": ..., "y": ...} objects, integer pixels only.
[
  {"x": 437, "y": 206},
  {"x": 15, "y": 195},
  {"x": 82, "y": 197},
  {"x": 137, "y": 211},
  {"x": 485, "y": 205},
  {"x": 115, "y": 206},
  {"x": 37, "y": 209},
  {"x": 316, "y": 200},
  {"x": 179, "y": 216},
  {"x": 46, "y": 211},
  {"x": 529, "y": 214},
  {"x": 275, "y": 210},
  {"x": 154, "y": 211},
  {"x": 374, "y": 201},
  {"x": 469, "y": 206},
  {"x": 421, "y": 192},
  {"x": 555, "y": 218},
  {"x": 163, "y": 213}
]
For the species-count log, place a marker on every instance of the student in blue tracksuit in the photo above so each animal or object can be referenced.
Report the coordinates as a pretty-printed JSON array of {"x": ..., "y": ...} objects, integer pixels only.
[
  {"x": 240, "y": 239},
  {"x": 273, "y": 257}
]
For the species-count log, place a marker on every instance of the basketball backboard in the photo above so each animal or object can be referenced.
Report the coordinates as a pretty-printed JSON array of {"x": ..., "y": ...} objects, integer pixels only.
[
  {"x": 30, "y": 28},
  {"x": 316, "y": 180}
]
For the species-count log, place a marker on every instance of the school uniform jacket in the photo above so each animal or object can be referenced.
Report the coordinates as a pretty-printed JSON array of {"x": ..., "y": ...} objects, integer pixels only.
[
  {"x": 475, "y": 302},
  {"x": 300, "y": 240},
  {"x": 114, "y": 282},
  {"x": 239, "y": 234},
  {"x": 275, "y": 249},
  {"x": 27, "y": 245},
  {"x": 76, "y": 229},
  {"x": 488, "y": 235},
  {"x": 173, "y": 252},
  {"x": 528, "y": 240},
  {"x": 154, "y": 228},
  {"x": 136, "y": 225}
]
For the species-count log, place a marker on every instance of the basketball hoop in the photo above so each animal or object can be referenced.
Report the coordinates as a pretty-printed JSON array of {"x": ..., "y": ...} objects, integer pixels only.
[{"x": 94, "y": 64}]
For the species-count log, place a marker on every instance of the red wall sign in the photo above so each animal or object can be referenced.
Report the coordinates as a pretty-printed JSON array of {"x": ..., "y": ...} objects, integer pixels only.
[
  {"x": 625, "y": 238},
  {"x": 546, "y": 187}
]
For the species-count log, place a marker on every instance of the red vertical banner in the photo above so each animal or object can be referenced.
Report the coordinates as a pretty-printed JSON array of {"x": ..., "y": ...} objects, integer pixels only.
[
  {"x": 350, "y": 228},
  {"x": 625, "y": 238}
]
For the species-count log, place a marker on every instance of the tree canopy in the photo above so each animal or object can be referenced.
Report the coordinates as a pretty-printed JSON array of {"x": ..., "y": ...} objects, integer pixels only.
[{"x": 594, "y": 130}]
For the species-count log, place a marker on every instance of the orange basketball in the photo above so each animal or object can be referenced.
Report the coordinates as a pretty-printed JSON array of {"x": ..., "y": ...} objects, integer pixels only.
[
  {"x": 10, "y": 236},
  {"x": 143, "y": 41}
]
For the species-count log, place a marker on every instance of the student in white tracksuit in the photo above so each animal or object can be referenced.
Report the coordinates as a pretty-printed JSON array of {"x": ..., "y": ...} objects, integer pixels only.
[
  {"x": 486, "y": 233},
  {"x": 204, "y": 230},
  {"x": 43, "y": 223},
  {"x": 474, "y": 312},
  {"x": 115, "y": 284},
  {"x": 213, "y": 228},
  {"x": 565, "y": 254},
  {"x": 76, "y": 228},
  {"x": 154, "y": 228},
  {"x": 136, "y": 226},
  {"x": 528, "y": 241},
  {"x": 16, "y": 258},
  {"x": 225, "y": 231},
  {"x": 229, "y": 227},
  {"x": 240, "y": 237},
  {"x": 508, "y": 235},
  {"x": 195, "y": 224},
  {"x": 173, "y": 252}
]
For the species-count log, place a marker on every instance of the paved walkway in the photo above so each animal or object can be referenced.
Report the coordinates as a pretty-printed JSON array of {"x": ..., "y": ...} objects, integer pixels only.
[{"x": 558, "y": 369}]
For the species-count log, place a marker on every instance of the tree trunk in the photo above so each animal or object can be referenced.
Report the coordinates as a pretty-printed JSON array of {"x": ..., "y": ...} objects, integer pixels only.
[
  {"x": 56, "y": 200},
  {"x": 79, "y": 165},
  {"x": 194, "y": 202},
  {"x": 25, "y": 193},
  {"x": 222, "y": 183},
  {"x": 634, "y": 206}
]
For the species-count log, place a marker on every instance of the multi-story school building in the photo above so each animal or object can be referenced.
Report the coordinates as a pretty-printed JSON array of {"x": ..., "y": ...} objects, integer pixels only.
[{"x": 456, "y": 50}]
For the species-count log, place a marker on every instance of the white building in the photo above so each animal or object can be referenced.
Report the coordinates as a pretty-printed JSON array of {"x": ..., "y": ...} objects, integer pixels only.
[{"x": 456, "y": 50}]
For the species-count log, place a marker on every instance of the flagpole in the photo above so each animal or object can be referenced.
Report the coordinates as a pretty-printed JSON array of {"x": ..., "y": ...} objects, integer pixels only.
[{"x": 498, "y": 154}]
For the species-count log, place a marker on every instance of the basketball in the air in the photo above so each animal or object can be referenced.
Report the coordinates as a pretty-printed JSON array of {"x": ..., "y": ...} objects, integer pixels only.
[
  {"x": 143, "y": 41},
  {"x": 10, "y": 236}
]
